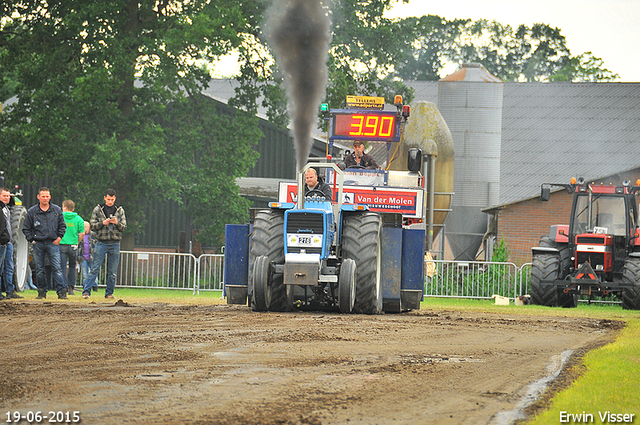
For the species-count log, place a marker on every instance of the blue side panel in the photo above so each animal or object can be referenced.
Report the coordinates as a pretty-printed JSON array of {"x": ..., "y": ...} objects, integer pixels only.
[
  {"x": 236, "y": 254},
  {"x": 391, "y": 263},
  {"x": 413, "y": 259}
]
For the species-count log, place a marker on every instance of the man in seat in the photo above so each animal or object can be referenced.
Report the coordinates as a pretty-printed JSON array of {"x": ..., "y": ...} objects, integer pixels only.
[
  {"x": 360, "y": 159},
  {"x": 316, "y": 185}
]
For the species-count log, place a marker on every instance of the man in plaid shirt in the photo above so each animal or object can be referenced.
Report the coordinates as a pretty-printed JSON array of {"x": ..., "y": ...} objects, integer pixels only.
[{"x": 107, "y": 224}]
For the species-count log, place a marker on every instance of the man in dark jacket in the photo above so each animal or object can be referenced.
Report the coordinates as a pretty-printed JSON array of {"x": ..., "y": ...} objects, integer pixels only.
[
  {"x": 315, "y": 185},
  {"x": 5, "y": 238},
  {"x": 359, "y": 159},
  {"x": 44, "y": 226},
  {"x": 6, "y": 268}
]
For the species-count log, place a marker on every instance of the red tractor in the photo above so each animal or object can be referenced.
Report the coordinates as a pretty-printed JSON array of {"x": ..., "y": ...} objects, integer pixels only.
[{"x": 597, "y": 254}]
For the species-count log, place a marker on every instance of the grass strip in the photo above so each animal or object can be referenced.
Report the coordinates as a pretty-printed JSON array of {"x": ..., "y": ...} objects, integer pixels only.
[{"x": 609, "y": 385}]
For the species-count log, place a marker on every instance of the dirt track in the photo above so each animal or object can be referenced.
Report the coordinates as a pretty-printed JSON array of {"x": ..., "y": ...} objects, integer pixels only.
[{"x": 218, "y": 364}]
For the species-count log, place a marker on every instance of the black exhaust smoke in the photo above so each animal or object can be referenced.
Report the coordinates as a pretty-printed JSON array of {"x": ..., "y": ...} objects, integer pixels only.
[{"x": 299, "y": 32}]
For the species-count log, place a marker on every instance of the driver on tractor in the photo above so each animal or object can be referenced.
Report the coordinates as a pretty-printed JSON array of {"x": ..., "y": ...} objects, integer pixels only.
[
  {"x": 359, "y": 159},
  {"x": 315, "y": 185}
]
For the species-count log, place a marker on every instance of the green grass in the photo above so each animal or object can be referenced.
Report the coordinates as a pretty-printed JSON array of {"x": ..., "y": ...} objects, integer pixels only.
[
  {"x": 137, "y": 295},
  {"x": 610, "y": 381}
]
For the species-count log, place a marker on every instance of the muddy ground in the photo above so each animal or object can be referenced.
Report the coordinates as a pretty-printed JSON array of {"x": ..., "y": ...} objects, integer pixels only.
[{"x": 219, "y": 364}]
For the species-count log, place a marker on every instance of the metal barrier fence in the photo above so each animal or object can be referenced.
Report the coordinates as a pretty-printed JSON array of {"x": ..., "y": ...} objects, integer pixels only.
[
  {"x": 166, "y": 270},
  {"x": 210, "y": 273},
  {"x": 456, "y": 279},
  {"x": 461, "y": 279},
  {"x": 474, "y": 279},
  {"x": 157, "y": 270}
]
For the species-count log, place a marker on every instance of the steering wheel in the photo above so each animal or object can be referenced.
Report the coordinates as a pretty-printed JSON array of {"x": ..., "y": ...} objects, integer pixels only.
[{"x": 317, "y": 192}]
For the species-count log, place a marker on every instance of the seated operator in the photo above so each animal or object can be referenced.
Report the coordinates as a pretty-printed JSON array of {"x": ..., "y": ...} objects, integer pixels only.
[
  {"x": 316, "y": 185},
  {"x": 360, "y": 159}
]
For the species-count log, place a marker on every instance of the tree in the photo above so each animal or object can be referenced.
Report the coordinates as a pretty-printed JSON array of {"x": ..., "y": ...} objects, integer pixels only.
[
  {"x": 94, "y": 82},
  {"x": 364, "y": 52},
  {"x": 536, "y": 53},
  {"x": 434, "y": 41},
  {"x": 365, "y": 48},
  {"x": 584, "y": 67}
]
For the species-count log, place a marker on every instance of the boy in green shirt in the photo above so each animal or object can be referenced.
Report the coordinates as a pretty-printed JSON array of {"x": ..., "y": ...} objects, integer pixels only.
[{"x": 69, "y": 243}]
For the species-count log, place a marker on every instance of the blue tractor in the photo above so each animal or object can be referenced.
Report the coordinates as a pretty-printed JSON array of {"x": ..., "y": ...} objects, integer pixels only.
[
  {"x": 317, "y": 254},
  {"x": 357, "y": 252}
]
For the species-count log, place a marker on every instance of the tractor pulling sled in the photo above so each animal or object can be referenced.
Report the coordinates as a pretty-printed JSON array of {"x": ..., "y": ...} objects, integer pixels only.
[
  {"x": 360, "y": 252},
  {"x": 597, "y": 254}
]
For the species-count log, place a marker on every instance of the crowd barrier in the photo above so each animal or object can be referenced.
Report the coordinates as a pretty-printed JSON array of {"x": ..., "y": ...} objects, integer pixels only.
[
  {"x": 443, "y": 278},
  {"x": 165, "y": 270},
  {"x": 475, "y": 279}
]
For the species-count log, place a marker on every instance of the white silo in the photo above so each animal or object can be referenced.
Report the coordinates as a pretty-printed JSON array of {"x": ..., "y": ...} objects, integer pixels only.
[{"x": 470, "y": 101}]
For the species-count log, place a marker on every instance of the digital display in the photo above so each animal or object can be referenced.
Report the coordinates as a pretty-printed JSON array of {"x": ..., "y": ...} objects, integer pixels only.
[{"x": 365, "y": 125}]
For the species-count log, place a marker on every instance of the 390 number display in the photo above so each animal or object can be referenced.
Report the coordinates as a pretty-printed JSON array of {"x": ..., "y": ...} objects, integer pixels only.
[{"x": 371, "y": 126}]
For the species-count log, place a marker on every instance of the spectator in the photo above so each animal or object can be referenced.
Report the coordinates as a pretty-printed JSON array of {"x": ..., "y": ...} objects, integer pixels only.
[
  {"x": 316, "y": 184},
  {"x": 31, "y": 276},
  {"x": 69, "y": 244},
  {"x": 359, "y": 159},
  {"x": 108, "y": 221},
  {"x": 6, "y": 267},
  {"x": 5, "y": 238},
  {"x": 44, "y": 226},
  {"x": 84, "y": 253}
]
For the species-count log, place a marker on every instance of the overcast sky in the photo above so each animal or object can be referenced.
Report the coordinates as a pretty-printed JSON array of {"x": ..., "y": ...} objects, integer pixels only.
[{"x": 610, "y": 29}]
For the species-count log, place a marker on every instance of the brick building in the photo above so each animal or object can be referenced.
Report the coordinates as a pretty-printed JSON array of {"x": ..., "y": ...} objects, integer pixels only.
[{"x": 522, "y": 223}]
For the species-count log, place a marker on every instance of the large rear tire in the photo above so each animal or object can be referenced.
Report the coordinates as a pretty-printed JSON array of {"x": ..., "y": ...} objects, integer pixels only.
[
  {"x": 631, "y": 276},
  {"x": 544, "y": 267},
  {"x": 20, "y": 247},
  {"x": 347, "y": 286},
  {"x": 361, "y": 242},
  {"x": 268, "y": 240}
]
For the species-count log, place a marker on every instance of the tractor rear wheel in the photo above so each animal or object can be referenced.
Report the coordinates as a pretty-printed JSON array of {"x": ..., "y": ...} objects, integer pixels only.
[
  {"x": 268, "y": 240},
  {"x": 361, "y": 242},
  {"x": 347, "y": 286},
  {"x": 20, "y": 247},
  {"x": 631, "y": 276},
  {"x": 544, "y": 267}
]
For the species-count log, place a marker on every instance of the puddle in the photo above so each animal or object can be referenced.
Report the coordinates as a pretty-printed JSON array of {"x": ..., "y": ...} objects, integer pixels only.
[
  {"x": 156, "y": 376},
  {"x": 534, "y": 390}
]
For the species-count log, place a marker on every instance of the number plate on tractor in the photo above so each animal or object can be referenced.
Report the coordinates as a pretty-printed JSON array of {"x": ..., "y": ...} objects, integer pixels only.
[{"x": 298, "y": 240}]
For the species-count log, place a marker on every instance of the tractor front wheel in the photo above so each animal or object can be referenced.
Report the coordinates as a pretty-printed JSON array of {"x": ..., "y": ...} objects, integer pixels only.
[
  {"x": 631, "y": 276},
  {"x": 544, "y": 267},
  {"x": 347, "y": 286},
  {"x": 261, "y": 281}
]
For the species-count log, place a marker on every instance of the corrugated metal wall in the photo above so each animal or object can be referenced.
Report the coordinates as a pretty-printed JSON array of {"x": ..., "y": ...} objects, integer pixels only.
[{"x": 472, "y": 108}]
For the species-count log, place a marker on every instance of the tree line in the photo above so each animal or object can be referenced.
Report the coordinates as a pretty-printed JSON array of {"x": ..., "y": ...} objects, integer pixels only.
[{"x": 107, "y": 94}]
